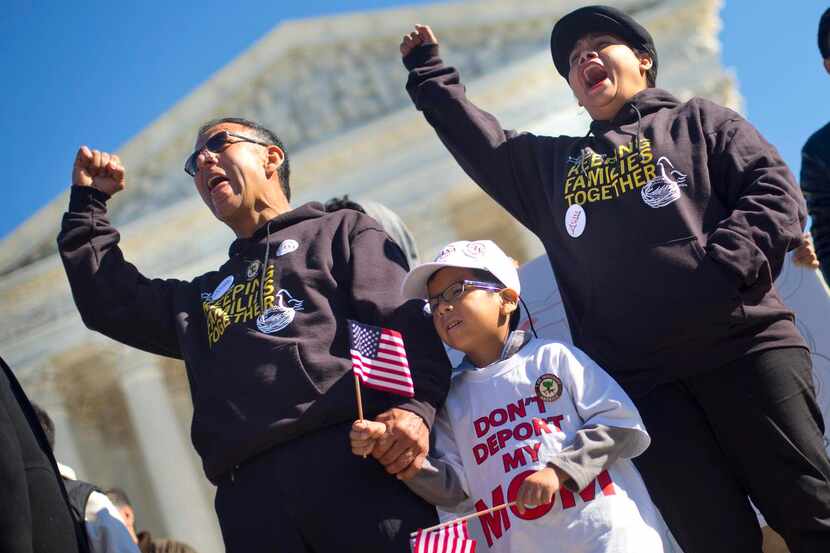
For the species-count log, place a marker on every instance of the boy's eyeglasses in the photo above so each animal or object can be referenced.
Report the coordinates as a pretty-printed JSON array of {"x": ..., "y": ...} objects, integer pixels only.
[
  {"x": 454, "y": 291},
  {"x": 216, "y": 144}
]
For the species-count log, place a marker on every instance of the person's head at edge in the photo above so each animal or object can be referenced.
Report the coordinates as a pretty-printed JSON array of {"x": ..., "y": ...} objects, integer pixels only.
[
  {"x": 606, "y": 57},
  {"x": 46, "y": 423},
  {"x": 824, "y": 38},
  {"x": 122, "y": 503},
  {"x": 241, "y": 172}
]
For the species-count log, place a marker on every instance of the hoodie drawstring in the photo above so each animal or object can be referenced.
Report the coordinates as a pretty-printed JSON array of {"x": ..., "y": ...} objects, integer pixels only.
[
  {"x": 615, "y": 160},
  {"x": 264, "y": 268},
  {"x": 582, "y": 161},
  {"x": 637, "y": 138}
]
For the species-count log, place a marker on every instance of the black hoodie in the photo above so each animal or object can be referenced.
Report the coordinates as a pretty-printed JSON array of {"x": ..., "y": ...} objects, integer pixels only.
[
  {"x": 665, "y": 227},
  {"x": 256, "y": 380}
]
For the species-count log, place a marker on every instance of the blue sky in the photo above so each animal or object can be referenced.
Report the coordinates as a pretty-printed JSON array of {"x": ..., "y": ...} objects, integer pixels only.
[{"x": 98, "y": 72}]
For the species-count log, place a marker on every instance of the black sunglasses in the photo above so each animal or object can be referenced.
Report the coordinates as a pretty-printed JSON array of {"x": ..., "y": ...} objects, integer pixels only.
[{"x": 216, "y": 144}]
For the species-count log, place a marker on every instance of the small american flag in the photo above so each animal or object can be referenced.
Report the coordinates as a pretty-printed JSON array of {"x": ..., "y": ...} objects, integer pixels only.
[
  {"x": 450, "y": 539},
  {"x": 379, "y": 359}
]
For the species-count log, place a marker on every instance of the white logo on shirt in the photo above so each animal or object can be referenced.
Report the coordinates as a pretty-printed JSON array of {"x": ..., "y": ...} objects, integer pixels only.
[
  {"x": 279, "y": 315},
  {"x": 664, "y": 188}
]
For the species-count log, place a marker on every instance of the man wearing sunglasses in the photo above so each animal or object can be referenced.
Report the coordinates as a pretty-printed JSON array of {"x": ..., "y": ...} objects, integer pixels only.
[{"x": 265, "y": 342}]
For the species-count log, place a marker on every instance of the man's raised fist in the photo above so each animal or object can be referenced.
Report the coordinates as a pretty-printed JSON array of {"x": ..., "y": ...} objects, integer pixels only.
[{"x": 100, "y": 170}]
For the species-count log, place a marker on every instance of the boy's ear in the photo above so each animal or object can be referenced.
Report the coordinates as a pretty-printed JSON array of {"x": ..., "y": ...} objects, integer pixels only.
[
  {"x": 509, "y": 301},
  {"x": 827, "y": 64},
  {"x": 646, "y": 62}
]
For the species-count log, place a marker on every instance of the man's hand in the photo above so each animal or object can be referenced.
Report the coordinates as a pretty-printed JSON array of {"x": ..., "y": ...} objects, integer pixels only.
[
  {"x": 805, "y": 254},
  {"x": 404, "y": 446},
  {"x": 364, "y": 435},
  {"x": 100, "y": 170},
  {"x": 421, "y": 35},
  {"x": 538, "y": 488}
]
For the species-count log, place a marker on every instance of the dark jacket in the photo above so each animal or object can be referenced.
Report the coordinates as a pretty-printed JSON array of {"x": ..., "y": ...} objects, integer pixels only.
[
  {"x": 35, "y": 516},
  {"x": 665, "y": 227},
  {"x": 815, "y": 183},
  {"x": 259, "y": 379}
]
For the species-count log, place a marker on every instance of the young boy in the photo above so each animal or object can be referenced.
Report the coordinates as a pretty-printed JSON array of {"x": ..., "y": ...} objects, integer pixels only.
[
  {"x": 666, "y": 226},
  {"x": 526, "y": 420}
]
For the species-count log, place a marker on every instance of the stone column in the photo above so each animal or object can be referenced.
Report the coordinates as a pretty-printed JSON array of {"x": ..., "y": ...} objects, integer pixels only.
[{"x": 168, "y": 456}]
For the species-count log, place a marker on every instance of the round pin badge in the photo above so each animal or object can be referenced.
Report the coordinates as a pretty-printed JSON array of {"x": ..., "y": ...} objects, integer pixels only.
[
  {"x": 253, "y": 269},
  {"x": 548, "y": 387},
  {"x": 223, "y": 287},
  {"x": 287, "y": 246},
  {"x": 575, "y": 221}
]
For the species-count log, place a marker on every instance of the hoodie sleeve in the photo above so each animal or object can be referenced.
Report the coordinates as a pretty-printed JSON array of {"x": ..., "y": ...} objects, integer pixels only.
[
  {"x": 378, "y": 268},
  {"x": 442, "y": 481},
  {"x": 815, "y": 183},
  {"x": 501, "y": 162},
  {"x": 594, "y": 449},
  {"x": 112, "y": 297},
  {"x": 766, "y": 208}
]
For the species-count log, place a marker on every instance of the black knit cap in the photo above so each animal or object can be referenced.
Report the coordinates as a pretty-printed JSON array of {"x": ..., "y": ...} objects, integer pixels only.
[
  {"x": 824, "y": 35},
  {"x": 597, "y": 19}
]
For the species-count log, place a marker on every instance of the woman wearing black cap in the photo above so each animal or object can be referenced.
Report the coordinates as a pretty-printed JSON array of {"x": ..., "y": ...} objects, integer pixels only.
[{"x": 666, "y": 226}]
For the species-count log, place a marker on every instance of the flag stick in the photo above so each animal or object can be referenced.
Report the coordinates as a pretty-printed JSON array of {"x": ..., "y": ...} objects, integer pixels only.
[
  {"x": 462, "y": 519},
  {"x": 359, "y": 399}
]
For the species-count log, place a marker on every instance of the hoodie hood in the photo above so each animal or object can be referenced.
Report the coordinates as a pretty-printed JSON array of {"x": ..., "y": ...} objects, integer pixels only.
[
  {"x": 641, "y": 104},
  {"x": 311, "y": 210}
]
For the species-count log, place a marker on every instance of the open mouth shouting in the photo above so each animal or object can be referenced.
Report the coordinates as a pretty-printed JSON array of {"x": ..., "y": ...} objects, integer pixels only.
[
  {"x": 594, "y": 76},
  {"x": 216, "y": 180},
  {"x": 218, "y": 184}
]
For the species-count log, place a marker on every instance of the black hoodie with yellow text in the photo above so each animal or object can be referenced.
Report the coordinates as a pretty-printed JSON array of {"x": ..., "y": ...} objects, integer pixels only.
[
  {"x": 264, "y": 337},
  {"x": 665, "y": 227}
]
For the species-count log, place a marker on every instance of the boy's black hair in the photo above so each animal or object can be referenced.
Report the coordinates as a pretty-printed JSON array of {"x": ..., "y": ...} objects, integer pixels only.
[{"x": 824, "y": 34}]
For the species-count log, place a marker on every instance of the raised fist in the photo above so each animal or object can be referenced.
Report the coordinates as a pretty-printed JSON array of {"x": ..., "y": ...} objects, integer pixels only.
[
  {"x": 421, "y": 35},
  {"x": 100, "y": 170}
]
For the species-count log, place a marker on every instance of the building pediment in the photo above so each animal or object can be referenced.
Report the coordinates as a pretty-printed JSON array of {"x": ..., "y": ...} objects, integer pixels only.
[{"x": 312, "y": 80}]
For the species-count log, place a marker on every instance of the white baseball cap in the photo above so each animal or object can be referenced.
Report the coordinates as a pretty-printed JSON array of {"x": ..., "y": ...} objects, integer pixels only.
[{"x": 480, "y": 254}]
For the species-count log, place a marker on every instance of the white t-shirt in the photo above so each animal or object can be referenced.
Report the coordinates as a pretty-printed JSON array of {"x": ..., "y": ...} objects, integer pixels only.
[{"x": 504, "y": 421}]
